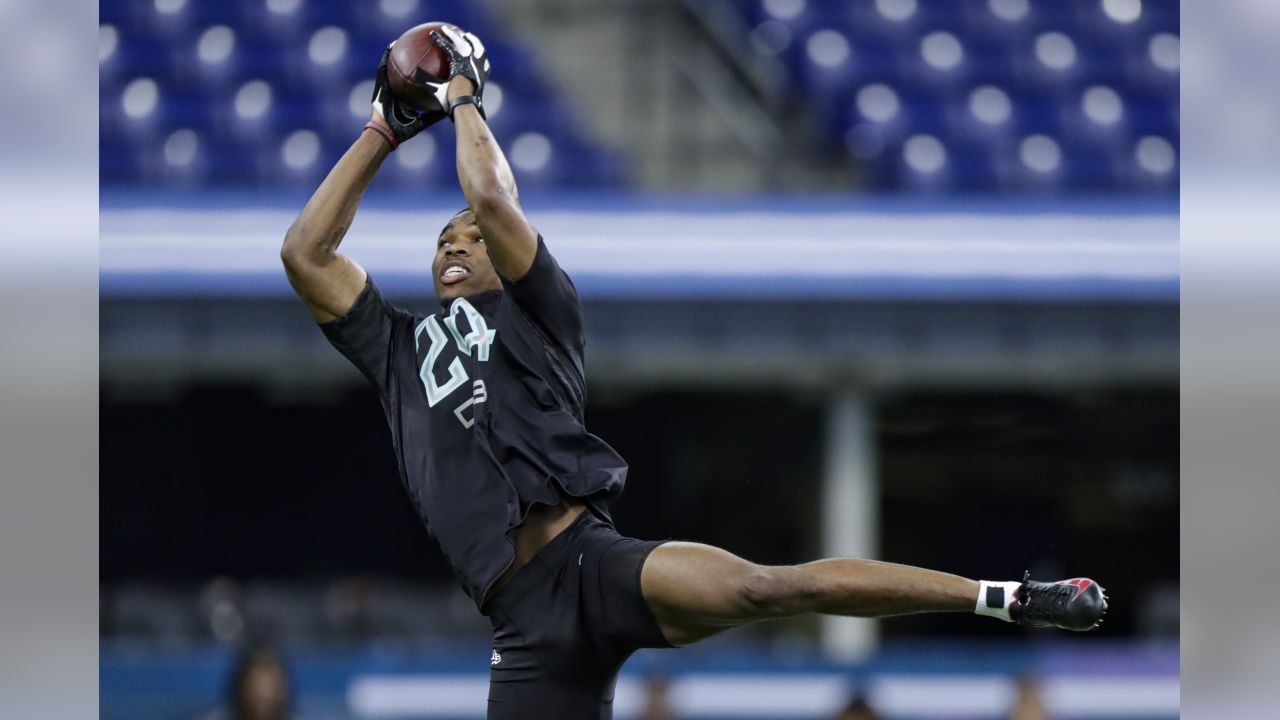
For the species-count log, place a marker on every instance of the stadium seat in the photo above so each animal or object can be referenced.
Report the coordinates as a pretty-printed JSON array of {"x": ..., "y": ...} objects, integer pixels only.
[
  {"x": 1087, "y": 80},
  {"x": 258, "y": 93},
  {"x": 978, "y": 76}
]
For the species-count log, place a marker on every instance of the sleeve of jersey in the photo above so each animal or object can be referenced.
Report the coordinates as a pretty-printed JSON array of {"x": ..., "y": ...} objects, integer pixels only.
[
  {"x": 364, "y": 335},
  {"x": 547, "y": 294}
]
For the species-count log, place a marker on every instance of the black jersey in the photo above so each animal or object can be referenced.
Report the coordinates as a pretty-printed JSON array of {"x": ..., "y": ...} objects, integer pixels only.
[{"x": 485, "y": 402}]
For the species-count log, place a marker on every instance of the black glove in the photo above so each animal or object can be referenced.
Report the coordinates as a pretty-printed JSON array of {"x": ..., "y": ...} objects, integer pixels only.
[
  {"x": 467, "y": 57},
  {"x": 403, "y": 120}
]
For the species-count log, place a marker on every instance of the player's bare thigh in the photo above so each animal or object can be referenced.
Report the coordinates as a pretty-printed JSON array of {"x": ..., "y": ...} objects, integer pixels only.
[{"x": 696, "y": 591}]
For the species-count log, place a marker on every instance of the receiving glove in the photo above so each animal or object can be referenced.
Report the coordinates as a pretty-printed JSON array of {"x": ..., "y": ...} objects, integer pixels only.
[
  {"x": 467, "y": 57},
  {"x": 400, "y": 121}
]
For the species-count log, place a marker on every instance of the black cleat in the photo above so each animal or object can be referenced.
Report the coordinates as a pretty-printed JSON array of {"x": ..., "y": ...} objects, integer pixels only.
[{"x": 1078, "y": 604}]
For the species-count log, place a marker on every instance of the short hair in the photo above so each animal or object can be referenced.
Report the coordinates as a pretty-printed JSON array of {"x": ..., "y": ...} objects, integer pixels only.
[{"x": 454, "y": 217}]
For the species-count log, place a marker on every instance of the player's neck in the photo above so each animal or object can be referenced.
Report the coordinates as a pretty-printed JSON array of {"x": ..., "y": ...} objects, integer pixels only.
[{"x": 479, "y": 297}]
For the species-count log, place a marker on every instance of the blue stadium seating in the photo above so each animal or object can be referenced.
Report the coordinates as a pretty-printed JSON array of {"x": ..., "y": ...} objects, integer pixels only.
[
  {"x": 210, "y": 94},
  {"x": 954, "y": 95},
  {"x": 1098, "y": 79}
]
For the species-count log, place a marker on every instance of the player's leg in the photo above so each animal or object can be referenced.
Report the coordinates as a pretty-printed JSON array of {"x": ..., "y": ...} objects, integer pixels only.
[{"x": 697, "y": 590}]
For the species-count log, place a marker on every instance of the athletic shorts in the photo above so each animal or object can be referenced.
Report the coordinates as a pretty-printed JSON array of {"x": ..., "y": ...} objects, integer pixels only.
[{"x": 566, "y": 622}]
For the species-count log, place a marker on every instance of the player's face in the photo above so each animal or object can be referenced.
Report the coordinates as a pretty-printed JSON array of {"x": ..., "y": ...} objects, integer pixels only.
[{"x": 462, "y": 266}]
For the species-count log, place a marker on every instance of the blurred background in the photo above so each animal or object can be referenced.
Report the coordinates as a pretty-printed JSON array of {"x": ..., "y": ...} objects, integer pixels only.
[{"x": 885, "y": 278}]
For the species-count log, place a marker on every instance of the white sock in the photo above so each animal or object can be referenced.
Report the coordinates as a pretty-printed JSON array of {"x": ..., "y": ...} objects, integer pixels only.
[{"x": 994, "y": 599}]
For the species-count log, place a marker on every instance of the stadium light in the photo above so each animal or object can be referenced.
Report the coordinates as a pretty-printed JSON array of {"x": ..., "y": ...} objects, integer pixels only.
[
  {"x": 283, "y": 7},
  {"x": 108, "y": 41},
  {"x": 531, "y": 152},
  {"x": 827, "y": 48},
  {"x": 990, "y": 105},
  {"x": 181, "y": 147},
  {"x": 492, "y": 99},
  {"x": 942, "y": 50},
  {"x": 327, "y": 45},
  {"x": 925, "y": 154},
  {"x": 784, "y": 9},
  {"x": 1165, "y": 51},
  {"x": 1102, "y": 105},
  {"x": 1055, "y": 51},
  {"x": 1155, "y": 155},
  {"x": 216, "y": 44},
  {"x": 360, "y": 101},
  {"x": 878, "y": 102},
  {"x": 416, "y": 155},
  {"x": 300, "y": 149},
  {"x": 170, "y": 7},
  {"x": 1122, "y": 11},
  {"x": 1009, "y": 10},
  {"x": 1041, "y": 154},
  {"x": 253, "y": 100},
  {"x": 140, "y": 98},
  {"x": 397, "y": 8},
  {"x": 896, "y": 10}
]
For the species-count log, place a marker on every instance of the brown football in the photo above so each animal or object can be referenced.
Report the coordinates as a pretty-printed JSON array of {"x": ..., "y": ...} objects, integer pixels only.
[{"x": 415, "y": 58}]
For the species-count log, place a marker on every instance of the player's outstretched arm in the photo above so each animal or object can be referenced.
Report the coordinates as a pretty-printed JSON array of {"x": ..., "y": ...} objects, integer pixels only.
[
  {"x": 490, "y": 189},
  {"x": 483, "y": 172},
  {"x": 327, "y": 281}
]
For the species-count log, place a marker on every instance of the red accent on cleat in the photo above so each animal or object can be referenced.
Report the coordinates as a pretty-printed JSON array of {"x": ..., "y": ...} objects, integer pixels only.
[{"x": 1080, "y": 584}]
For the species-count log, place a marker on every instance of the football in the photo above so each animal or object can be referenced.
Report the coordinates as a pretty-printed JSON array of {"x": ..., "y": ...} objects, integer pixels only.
[{"x": 415, "y": 58}]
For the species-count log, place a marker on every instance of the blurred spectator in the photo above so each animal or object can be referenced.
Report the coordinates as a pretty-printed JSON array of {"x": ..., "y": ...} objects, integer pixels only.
[
  {"x": 657, "y": 700},
  {"x": 222, "y": 610},
  {"x": 857, "y": 709},
  {"x": 348, "y": 609},
  {"x": 259, "y": 687},
  {"x": 1029, "y": 704}
]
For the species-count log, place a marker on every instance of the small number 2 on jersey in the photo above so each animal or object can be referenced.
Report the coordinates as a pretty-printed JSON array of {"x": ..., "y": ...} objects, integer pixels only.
[{"x": 479, "y": 339}]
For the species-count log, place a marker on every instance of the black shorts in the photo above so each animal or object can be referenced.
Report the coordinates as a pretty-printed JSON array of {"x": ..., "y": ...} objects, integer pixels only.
[{"x": 566, "y": 622}]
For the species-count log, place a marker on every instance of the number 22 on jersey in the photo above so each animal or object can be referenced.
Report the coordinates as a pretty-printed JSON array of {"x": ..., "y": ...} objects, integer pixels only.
[{"x": 478, "y": 340}]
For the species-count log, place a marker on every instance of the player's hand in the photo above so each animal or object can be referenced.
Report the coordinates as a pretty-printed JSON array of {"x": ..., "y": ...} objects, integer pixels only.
[
  {"x": 403, "y": 120},
  {"x": 467, "y": 58}
]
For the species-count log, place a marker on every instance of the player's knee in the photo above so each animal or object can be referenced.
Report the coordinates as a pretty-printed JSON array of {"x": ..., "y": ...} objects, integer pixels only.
[{"x": 770, "y": 592}]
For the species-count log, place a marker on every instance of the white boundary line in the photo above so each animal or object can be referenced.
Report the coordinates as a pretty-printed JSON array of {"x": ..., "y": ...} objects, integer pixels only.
[{"x": 793, "y": 696}]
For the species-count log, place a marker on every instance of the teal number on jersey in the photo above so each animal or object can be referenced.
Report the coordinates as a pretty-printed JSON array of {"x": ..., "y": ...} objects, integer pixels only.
[
  {"x": 479, "y": 339},
  {"x": 457, "y": 373}
]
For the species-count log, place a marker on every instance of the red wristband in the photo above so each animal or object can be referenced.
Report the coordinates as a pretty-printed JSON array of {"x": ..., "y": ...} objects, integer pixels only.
[{"x": 384, "y": 132}]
